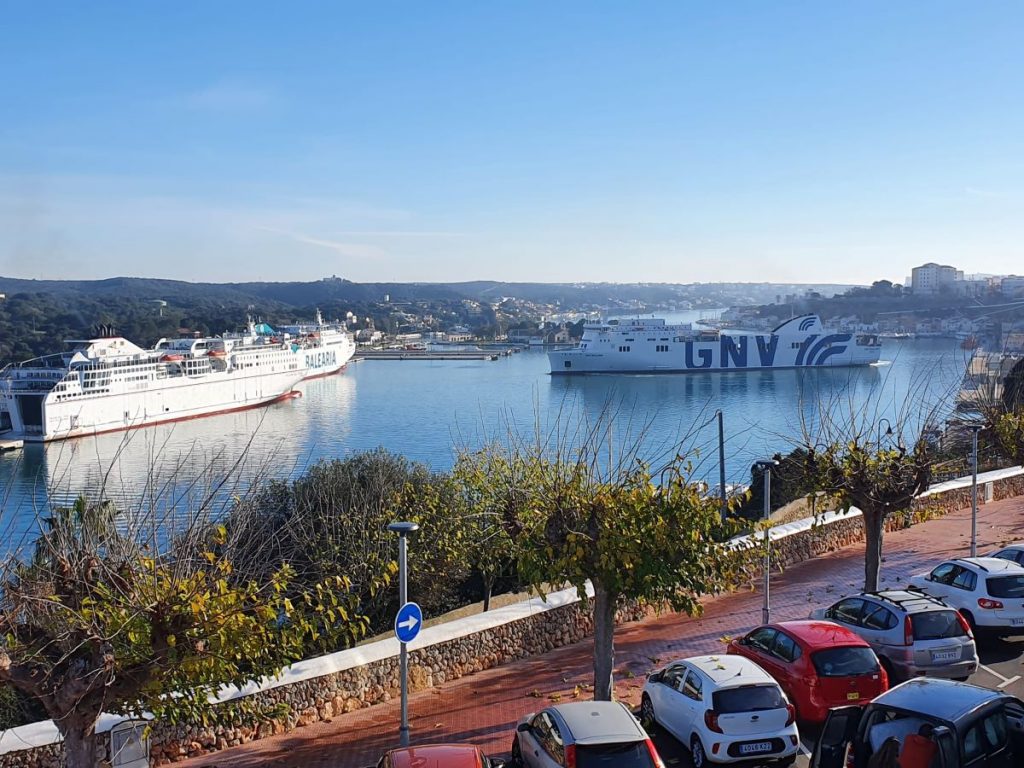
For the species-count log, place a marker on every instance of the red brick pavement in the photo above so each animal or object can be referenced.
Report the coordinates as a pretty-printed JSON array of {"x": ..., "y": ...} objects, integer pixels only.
[{"x": 484, "y": 708}]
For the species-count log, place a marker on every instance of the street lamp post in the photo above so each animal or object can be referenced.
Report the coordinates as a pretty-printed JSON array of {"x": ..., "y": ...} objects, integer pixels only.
[
  {"x": 975, "y": 429},
  {"x": 403, "y": 530},
  {"x": 888, "y": 431},
  {"x": 721, "y": 465},
  {"x": 766, "y": 469}
]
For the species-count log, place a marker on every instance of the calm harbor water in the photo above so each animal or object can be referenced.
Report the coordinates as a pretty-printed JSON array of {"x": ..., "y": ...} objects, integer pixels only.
[{"x": 425, "y": 410}]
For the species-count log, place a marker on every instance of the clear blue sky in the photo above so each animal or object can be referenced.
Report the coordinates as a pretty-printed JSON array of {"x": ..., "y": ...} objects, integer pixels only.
[{"x": 677, "y": 141}]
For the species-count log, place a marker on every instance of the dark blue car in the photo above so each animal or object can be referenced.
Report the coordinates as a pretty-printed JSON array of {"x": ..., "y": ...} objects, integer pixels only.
[{"x": 964, "y": 726}]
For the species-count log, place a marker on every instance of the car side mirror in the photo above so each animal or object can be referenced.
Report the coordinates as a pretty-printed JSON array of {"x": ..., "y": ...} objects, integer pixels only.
[
  {"x": 654, "y": 677},
  {"x": 523, "y": 727}
]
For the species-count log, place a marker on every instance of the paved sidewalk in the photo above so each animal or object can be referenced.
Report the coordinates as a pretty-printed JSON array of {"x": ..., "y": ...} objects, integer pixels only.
[{"x": 484, "y": 708}]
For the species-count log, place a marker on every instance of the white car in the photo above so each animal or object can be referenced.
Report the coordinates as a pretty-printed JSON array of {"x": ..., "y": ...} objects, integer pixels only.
[
  {"x": 1012, "y": 552},
  {"x": 988, "y": 591},
  {"x": 726, "y": 709}
]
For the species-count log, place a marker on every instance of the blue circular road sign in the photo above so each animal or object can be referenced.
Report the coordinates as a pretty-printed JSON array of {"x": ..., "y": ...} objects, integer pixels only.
[{"x": 408, "y": 622}]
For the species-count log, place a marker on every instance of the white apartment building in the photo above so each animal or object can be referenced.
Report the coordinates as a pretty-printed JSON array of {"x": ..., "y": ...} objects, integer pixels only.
[{"x": 932, "y": 277}]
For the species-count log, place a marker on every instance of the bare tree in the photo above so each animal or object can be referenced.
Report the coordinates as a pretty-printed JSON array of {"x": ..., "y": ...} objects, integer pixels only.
[{"x": 878, "y": 463}]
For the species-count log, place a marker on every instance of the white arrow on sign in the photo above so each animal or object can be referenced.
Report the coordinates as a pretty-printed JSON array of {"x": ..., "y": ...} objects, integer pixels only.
[{"x": 409, "y": 623}]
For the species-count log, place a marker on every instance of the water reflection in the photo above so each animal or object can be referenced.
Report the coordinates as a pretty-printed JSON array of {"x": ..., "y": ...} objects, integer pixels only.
[{"x": 179, "y": 462}]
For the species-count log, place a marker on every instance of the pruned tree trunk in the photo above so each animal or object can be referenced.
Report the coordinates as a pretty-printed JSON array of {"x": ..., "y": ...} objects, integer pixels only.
[
  {"x": 604, "y": 643},
  {"x": 488, "y": 589},
  {"x": 79, "y": 734},
  {"x": 874, "y": 530}
]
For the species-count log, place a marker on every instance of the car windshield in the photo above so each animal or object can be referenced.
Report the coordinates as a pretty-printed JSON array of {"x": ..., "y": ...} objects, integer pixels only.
[
  {"x": 845, "y": 661},
  {"x": 749, "y": 698},
  {"x": 633, "y": 755},
  {"x": 936, "y": 625},
  {"x": 1006, "y": 586}
]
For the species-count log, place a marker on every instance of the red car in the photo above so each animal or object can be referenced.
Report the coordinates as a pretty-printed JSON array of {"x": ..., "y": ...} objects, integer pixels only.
[
  {"x": 439, "y": 756},
  {"x": 819, "y": 664}
]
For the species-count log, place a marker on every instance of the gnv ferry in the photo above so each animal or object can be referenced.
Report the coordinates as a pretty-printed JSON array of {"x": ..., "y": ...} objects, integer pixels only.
[{"x": 649, "y": 345}]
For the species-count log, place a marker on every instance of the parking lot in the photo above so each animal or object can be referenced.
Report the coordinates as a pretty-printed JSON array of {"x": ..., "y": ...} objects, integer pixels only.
[
  {"x": 1001, "y": 669},
  {"x": 484, "y": 708}
]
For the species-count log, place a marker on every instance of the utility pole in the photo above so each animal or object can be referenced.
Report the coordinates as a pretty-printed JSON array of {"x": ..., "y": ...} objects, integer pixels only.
[
  {"x": 721, "y": 464},
  {"x": 405, "y": 620},
  {"x": 766, "y": 468}
]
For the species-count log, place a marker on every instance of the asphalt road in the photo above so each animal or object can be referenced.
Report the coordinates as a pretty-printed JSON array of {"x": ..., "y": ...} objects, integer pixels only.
[{"x": 1002, "y": 668}]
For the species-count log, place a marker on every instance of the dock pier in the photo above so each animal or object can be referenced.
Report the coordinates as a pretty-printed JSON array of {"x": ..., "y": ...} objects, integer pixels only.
[{"x": 430, "y": 354}]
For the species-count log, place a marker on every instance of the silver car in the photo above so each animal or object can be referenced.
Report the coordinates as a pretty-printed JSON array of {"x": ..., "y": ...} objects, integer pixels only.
[
  {"x": 583, "y": 734},
  {"x": 912, "y": 634}
]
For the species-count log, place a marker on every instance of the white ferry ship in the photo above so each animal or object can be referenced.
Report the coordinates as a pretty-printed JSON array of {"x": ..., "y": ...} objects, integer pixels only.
[
  {"x": 650, "y": 345},
  {"x": 110, "y": 384},
  {"x": 322, "y": 348}
]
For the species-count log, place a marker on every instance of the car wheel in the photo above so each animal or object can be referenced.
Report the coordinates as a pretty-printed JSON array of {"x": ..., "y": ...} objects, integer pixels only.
[
  {"x": 697, "y": 756},
  {"x": 517, "y": 755},
  {"x": 647, "y": 717},
  {"x": 890, "y": 672},
  {"x": 969, "y": 618}
]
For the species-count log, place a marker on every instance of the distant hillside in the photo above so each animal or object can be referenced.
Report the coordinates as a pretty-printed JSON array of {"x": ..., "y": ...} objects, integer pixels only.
[{"x": 333, "y": 290}]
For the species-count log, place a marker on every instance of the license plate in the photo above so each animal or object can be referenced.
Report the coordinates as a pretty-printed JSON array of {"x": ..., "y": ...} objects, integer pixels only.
[
  {"x": 1017, "y": 622},
  {"x": 852, "y": 696},
  {"x": 953, "y": 655},
  {"x": 753, "y": 749}
]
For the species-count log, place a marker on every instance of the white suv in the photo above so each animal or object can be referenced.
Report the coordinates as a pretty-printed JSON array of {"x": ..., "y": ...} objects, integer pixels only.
[
  {"x": 725, "y": 708},
  {"x": 988, "y": 591}
]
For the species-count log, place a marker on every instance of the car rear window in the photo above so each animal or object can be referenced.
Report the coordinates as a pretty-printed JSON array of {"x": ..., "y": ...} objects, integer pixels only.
[
  {"x": 632, "y": 755},
  {"x": 751, "y": 698},
  {"x": 936, "y": 625},
  {"x": 845, "y": 661},
  {"x": 1006, "y": 586}
]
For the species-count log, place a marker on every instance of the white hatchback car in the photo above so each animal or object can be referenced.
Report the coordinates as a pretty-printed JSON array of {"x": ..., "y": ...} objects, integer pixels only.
[
  {"x": 727, "y": 709},
  {"x": 988, "y": 592},
  {"x": 1012, "y": 552}
]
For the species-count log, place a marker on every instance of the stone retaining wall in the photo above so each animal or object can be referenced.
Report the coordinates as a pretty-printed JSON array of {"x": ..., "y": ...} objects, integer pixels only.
[
  {"x": 52, "y": 755},
  {"x": 322, "y": 698},
  {"x": 311, "y": 699}
]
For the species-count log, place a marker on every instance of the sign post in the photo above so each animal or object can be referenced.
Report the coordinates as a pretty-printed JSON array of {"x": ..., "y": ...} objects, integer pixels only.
[
  {"x": 408, "y": 621},
  {"x": 975, "y": 429}
]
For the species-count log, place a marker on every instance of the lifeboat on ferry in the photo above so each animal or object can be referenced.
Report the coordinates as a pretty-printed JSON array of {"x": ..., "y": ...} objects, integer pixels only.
[
  {"x": 171, "y": 358},
  {"x": 217, "y": 353}
]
